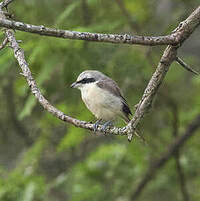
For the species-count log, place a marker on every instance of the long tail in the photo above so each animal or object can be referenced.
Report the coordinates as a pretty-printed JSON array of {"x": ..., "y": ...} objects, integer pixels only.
[{"x": 126, "y": 111}]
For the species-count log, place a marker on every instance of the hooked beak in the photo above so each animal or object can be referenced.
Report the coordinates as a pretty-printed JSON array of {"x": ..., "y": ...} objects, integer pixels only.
[{"x": 73, "y": 85}]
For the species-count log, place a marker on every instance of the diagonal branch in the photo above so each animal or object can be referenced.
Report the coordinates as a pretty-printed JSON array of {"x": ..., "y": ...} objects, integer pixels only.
[
  {"x": 172, "y": 39},
  {"x": 160, "y": 162},
  {"x": 156, "y": 80},
  {"x": 185, "y": 28}
]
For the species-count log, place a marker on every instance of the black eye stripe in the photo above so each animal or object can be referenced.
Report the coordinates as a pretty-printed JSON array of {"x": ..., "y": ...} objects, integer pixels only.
[{"x": 86, "y": 80}]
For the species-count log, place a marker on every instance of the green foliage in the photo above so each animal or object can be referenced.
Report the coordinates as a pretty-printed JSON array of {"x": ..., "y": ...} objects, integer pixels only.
[
  {"x": 63, "y": 162},
  {"x": 72, "y": 139},
  {"x": 66, "y": 13},
  {"x": 23, "y": 183}
]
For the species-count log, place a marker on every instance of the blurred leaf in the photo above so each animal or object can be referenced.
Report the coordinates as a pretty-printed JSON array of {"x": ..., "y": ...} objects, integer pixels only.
[
  {"x": 67, "y": 11},
  {"x": 30, "y": 103},
  {"x": 29, "y": 192},
  {"x": 72, "y": 139}
]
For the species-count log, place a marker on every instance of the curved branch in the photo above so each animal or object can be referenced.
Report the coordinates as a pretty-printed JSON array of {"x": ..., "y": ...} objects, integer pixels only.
[
  {"x": 19, "y": 55},
  {"x": 172, "y": 39}
]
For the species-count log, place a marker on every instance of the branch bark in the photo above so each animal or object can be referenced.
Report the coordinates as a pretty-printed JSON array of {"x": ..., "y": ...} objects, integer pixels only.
[
  {"x": 160, "y": 162},
  {"x": 172, "y": 39}
]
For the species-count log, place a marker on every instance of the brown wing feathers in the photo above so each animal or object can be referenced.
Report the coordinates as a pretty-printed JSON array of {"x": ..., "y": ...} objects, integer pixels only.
[{"x": 111, "y": 86}]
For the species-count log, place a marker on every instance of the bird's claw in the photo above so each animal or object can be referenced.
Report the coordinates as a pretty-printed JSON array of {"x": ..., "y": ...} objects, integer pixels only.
[
  {"x": 96, "y": 124},
  {"x": 105, "y": 126}
]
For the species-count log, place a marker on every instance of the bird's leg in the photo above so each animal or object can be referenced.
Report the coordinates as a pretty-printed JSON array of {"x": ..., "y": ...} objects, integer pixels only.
[
  {"x": 106, "y": 125},
  {"x": 96, "y": 124}
]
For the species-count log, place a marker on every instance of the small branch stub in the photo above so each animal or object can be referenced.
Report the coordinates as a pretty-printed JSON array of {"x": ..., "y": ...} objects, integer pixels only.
[{"x": 187, "y": 67}]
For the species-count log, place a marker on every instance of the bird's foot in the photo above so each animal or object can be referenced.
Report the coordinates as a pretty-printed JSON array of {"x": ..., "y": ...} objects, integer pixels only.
[
  {"x": 96, "y": 124},
  {"x": 106, "y": 125}
]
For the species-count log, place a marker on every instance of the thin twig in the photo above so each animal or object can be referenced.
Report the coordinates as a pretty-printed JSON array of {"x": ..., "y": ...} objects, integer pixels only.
[
  {"x": 179, "y": 169},
  {"x": 160, "y": 162},
  {"x": 181, "y": 177},
  {"x": 184, "y": 65}
]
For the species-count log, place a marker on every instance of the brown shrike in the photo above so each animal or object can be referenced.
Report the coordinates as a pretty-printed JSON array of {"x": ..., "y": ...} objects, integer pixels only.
[{"x": 102, "y": 97}]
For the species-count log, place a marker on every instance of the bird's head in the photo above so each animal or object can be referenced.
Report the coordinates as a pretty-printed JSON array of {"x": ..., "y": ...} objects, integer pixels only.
[{"x": 87, "y": 77}]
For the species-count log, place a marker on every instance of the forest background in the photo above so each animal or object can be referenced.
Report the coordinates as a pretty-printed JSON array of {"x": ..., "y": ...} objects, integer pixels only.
[{"x": 43, "y": 158}]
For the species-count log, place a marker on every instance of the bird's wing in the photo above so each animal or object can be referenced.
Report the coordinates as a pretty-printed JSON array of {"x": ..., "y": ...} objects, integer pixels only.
[{"x": 111, "y": 86}]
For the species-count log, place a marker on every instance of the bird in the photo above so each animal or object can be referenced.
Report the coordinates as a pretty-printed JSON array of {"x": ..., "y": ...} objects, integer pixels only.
[{"x": 103, "y": 97}]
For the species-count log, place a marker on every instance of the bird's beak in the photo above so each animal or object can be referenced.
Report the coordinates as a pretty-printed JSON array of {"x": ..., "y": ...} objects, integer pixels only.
[{"x": 73, "y": 85}]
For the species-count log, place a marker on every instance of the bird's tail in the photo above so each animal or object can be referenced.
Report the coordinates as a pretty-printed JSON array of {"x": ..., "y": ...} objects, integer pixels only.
[{"x": 126, "y": 118}]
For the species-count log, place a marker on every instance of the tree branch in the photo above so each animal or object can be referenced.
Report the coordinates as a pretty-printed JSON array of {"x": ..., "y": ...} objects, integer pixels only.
[
  {"x": 175, "y": 38},
  {"x": 172, "y": 39},
  {"x": 182, "y": 32},
  {"x": 160, "y": 162},
  {"x": 185, "y": 29},
  {"x": 19, "y": 55}
]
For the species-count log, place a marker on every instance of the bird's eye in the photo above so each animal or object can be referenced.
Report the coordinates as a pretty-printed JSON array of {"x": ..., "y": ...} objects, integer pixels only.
[
  {"x": 86, "y": 80},
  {"x": 83, "y": 81}
]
